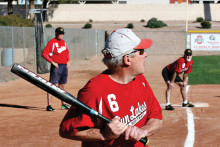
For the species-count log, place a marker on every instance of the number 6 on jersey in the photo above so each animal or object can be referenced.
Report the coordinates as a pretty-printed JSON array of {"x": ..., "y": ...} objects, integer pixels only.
[{"x": 113, "y": 103}]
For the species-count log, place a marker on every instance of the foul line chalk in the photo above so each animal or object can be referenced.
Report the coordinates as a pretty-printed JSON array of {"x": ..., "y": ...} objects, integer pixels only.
[
  {"x": 191, "y": 129},
  {"x": 190, "y": 125},
  {"x": 190, "y": 139}
]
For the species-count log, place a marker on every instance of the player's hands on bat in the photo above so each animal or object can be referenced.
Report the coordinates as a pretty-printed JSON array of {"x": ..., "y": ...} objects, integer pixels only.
[
  {"x": 114, "y": 129},
  {"x": 134, "y": 133}
]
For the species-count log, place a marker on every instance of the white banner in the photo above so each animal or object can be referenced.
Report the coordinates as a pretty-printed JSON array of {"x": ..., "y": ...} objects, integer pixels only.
[{"x": 205, "y": 42}]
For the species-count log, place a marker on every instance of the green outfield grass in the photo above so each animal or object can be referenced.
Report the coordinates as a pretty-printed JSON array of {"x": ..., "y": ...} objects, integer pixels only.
[{"x": 206, "y": 70}]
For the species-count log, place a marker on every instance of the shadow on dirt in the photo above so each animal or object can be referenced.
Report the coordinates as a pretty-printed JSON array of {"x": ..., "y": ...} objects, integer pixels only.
[{"x": 22, "y": 107}]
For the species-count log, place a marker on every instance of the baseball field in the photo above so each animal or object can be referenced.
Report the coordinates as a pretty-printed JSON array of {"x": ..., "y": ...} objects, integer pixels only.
[{"x": 25, "y": 121}]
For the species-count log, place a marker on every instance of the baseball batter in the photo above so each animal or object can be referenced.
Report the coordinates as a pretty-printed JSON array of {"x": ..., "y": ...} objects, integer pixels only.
[
  {"x": 120, "y": 93},
  {"x": 171, "y": 75},
  {"x": 57, "y": 53}
]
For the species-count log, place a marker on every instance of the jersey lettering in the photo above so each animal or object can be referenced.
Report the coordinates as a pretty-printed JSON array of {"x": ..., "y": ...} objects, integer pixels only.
[
  {"x": 62, "y": 48},
  {"x": 136, "y": 114},
  {"x": 183, "y": 65},
  {"x": 112, "y": 102},
  {"x": 185, "y": 69}
]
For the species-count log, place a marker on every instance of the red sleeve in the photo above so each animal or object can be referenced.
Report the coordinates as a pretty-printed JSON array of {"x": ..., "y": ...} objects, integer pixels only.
[
  {"x": 68, "y": 56},
  {"x": 48, "y": 49},
  {"x": 178, "y": 66},
  {"x": 75, "y": 119},
  {"x": 47, "y": 57}
]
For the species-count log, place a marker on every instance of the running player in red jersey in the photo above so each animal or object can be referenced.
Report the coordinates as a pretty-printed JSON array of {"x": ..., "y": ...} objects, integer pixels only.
[
  {"x": 121, "y": 93},
  {"x": 171, "y": 75},
  {"x": 57, "y": 53}
]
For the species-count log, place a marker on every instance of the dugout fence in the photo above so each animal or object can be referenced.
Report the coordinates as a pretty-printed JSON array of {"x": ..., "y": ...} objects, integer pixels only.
[{"x": 18, "y": 45}]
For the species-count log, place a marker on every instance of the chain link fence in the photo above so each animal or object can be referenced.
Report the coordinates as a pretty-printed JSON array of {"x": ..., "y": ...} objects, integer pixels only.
[{"x": 17, "y": 45}]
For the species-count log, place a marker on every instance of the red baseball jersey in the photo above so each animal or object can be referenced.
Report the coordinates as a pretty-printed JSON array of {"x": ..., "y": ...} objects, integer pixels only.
[
  {"x": 57, "y": 51},
  {"x": 134, "y": 103},
  {"x": 180, "y": 66}
]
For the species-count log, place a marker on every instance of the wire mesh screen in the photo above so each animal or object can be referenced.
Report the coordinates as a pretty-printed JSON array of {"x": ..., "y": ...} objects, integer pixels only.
[
  {"x": 81, "y": 43},
  {"x": 42, "y": 66},
  {"x": 18, "y": 45}
]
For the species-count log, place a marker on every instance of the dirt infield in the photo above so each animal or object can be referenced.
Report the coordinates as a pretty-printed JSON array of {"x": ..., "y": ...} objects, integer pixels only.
[{"x": 25, "y": 122}]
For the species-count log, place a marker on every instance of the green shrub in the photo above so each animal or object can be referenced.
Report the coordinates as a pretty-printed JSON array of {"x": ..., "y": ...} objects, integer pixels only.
[
  {"x": 67, "y": 1},
  {"x": 206, "y": 25},
  {"x": 199, "y": 19},
  {"x": 154, "y": 23},
  {"x": 3, "y": 23},
  {"x": 130, "y": 26},
  {"x": 142, "y": 20},
  {"x": 73, "y": 1},
  {"x": 87, "y": 26},
  {"x": 15, "y": 20},
  {"x": 61, "y": 1},
  {"x": 48, "y": 26},
  {"x": 90, "y": 20}
]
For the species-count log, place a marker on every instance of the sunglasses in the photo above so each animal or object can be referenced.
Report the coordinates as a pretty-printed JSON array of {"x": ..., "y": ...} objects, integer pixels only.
[{"x": 141, "y": 51}]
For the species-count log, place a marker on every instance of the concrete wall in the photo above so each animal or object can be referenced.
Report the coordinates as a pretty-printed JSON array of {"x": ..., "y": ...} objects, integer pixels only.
[{"x": 135, "y": 12}]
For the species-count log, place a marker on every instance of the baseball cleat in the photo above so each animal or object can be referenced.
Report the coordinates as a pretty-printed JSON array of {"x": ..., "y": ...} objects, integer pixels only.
[
  {"x": 188, "y": 105},
  {"x": 169, "y": 107},
  {"x": 50, "y": 108},
  {"x": 65, "y": 106}
]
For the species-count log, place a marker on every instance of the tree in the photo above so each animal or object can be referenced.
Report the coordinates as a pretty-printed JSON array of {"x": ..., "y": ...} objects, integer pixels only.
[
  {"x": 10, "y": 7},
  {"x": 45, "y": 7},
  {"x": 26, "y": 8},
  {"x": 31, "y": 6}
]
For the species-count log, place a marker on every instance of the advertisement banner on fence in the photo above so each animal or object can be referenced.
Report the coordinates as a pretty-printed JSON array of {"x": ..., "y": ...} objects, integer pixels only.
[{"x": 206, "y": 42}]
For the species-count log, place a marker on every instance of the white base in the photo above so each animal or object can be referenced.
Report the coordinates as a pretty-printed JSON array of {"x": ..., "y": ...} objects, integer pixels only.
[{"x": 196, "y": 105}]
